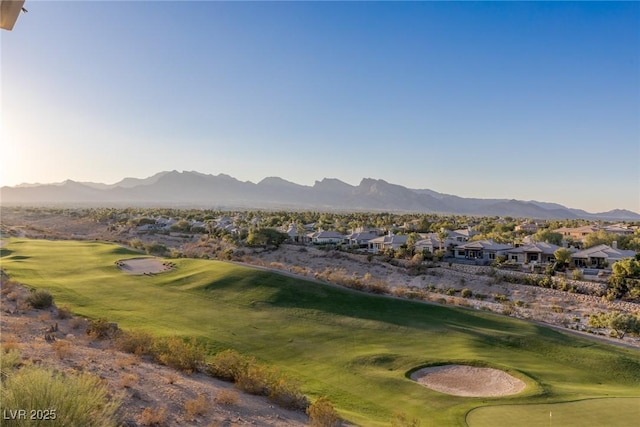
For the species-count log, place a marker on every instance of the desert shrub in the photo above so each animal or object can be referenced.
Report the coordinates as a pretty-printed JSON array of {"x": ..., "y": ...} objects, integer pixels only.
[
  {"x": 227, "y": 365},
  {"x": 62, "y": 349},
  {"x": 286, "y": 393},
  {"x": 520, "y": 303},
  {"x": 128, "y": 380},
  {"x": 178, "y": 353},
  {"x": 64, "y": 312},
  {"x": 9, "y": 343},
  {"x": 466, "y": 293},
  {"x": 77, "y": 400},
  {"x": 500, "y": 298},
  {"x": 77, "y": 323},
  {"x": 556, "y": 309},
  {"x": 100, "y": 328},
  {"x": 136, "y": 342},
  {"x": 450, "y": 291},
  {"x": 40, "y": 298},
  {"x": 377, "y": 287},
  {"x": 323, "y": 414},
  {"x": 197, "y": 406},
  {"x": 227, "y": 397},
  {"x": 577, "y": 274},
  {"x": 155, "y": 248},
  {"x": 481, "y": 297},
  {"x": 153, "y": 416},
  {"x": 255, "y": 379}
]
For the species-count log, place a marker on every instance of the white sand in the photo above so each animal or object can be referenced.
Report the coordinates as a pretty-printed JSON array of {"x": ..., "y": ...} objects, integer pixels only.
[
  {"x": 142, "y": 266},
  {"x": 469, "y": 381}
]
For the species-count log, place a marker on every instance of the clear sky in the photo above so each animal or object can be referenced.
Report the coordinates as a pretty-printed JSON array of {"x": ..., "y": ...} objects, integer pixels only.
[{"x": 524, "y": 100}]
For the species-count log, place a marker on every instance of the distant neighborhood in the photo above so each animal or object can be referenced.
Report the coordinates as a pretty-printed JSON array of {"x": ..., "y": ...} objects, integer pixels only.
[{"x": 532, "y": 245}]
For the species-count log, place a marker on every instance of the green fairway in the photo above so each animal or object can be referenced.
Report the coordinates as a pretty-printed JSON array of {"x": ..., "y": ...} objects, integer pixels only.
[
  {"x": 622, "y": 412},
  {"x": 353, "y": 347}
]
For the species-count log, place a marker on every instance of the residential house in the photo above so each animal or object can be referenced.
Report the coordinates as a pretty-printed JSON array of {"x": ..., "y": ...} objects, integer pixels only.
[
  {"x": 538, "y": 252},
  {"x": 527, "y": 227},
  {"x": 485, "y": 250},
  {"x": 359, "y": 239},
  {"x": 431, "y": 242},
  {"x": 323, "y": 237},
  {"x": 600, "y": 256},
  {"x": 462, "y": 235},
  {"x": 386, "y": 242},
  {"x": 578, "y": 233},
  {"x": 294, "y": 234},
  {"x": 619, "y": 229}
]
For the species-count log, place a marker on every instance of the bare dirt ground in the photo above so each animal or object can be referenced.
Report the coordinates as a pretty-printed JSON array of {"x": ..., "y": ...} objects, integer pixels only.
[
  {"x": 143, "y": 385},
  {"x": 468, "y": 381}
]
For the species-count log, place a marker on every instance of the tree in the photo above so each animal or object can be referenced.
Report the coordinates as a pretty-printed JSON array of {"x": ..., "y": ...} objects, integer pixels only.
[
  {"x": 442, "y": 236},
  {"x": 562, "y": 256},
  {"x": 548, "y": 236},
  {"x": 625, "y": 279},
  {"x": 266, "y": 237},
  {"x": 624, "y": 323}
]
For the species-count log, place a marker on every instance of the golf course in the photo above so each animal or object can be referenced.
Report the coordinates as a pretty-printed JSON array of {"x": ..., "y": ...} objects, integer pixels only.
[{"x": 357, "y": 349}]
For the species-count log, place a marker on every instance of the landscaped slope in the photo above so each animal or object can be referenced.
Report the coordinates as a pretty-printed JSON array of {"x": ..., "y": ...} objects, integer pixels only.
[{"x": 354, "y": 348}]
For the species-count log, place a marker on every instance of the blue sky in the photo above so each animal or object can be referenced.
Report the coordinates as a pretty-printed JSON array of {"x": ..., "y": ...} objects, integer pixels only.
[{"x": 531, "y": 100}]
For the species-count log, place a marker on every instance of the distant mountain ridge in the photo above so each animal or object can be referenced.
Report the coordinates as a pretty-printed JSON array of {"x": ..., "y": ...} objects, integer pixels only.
[{"x": 190, "y": 188}]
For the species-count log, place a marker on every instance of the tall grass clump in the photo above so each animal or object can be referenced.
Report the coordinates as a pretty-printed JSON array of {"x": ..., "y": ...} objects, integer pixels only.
[
  {"x": 39, "y": 299},
  {"x": 9, "y": 360},
  {"x": 76, "y": 400}
]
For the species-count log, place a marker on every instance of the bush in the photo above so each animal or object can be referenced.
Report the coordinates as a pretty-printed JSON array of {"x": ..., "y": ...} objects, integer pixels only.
[
  {"x": 577, "y": 274},
  {"x": 197, "y": 406},
  {"x": 153, "y": 416},
  {"x": 100, "y": 328},
  {"x": 500, "y": 298},
  {"x": 179, "y": 354},
  {"x": 64, "y": 312},
  {"x": 322, "y": 414},
  {"x": 77, "y": 400},
  {"x": 227, "y": 365},
  {"x": 286, "y": 393},
  {"x": 39, "y": 299},
  {"x": 466, "y": 293},
  {"x": 255, "y": 379},
  {"x": 136, "y": 342},
  {"x": 62, "y": 349},
  {"x": 227, "y": 397}
]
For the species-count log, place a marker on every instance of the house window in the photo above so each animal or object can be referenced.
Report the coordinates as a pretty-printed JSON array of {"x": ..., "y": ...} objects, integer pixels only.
[
  {"x": 514, "y": 257},
  {"x": 492, "y": 256}
]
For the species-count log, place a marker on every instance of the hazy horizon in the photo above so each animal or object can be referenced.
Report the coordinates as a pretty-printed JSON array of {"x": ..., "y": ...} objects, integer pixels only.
[{"x": 514, "y": 100}]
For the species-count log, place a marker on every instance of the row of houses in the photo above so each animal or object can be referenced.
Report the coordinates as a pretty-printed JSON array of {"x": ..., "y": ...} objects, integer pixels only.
[{"x": 457, "y": 245}]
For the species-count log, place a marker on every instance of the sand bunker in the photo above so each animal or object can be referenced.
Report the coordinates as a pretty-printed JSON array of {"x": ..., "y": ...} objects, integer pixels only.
[
  {"x": 469, "y": 381},
  {"x": 144, "y": 266}
]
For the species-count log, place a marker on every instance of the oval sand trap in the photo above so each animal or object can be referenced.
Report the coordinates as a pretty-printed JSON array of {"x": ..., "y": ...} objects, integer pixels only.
[
  {"x": 468, "y": 381},
  {"x": 143, "y": 266}
]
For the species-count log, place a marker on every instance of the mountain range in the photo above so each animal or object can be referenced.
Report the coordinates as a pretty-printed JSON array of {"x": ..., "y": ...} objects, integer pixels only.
[{"x": 194, "y": 189}]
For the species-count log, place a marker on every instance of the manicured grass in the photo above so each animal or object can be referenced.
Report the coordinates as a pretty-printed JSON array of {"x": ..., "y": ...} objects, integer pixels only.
[
  {"x": 354, "y": 348},
  {"x": 621, "y": 412}
]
